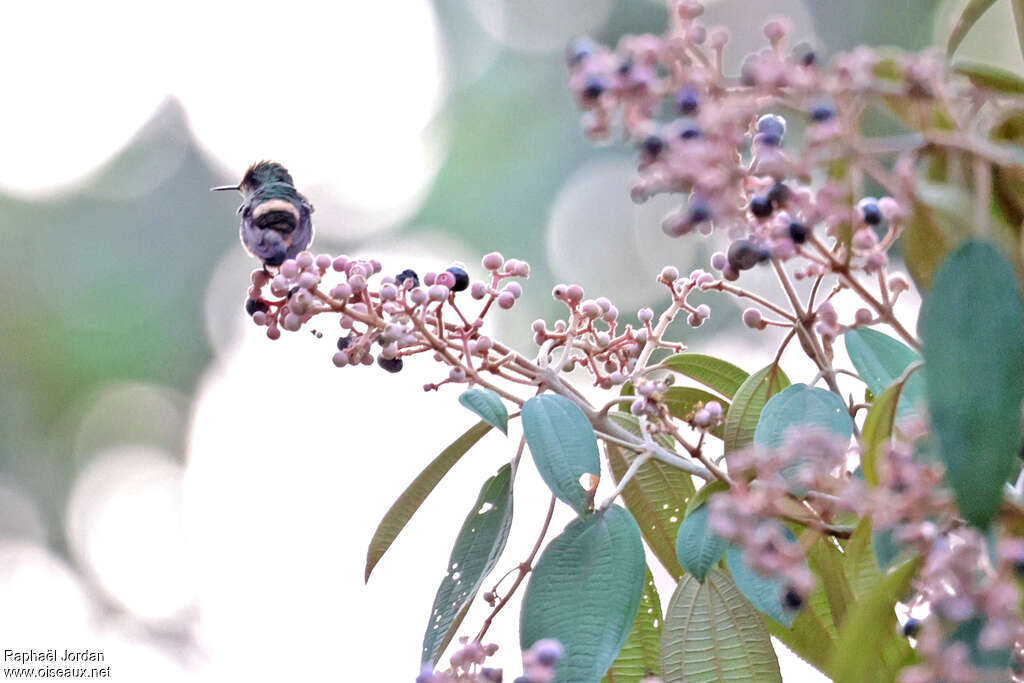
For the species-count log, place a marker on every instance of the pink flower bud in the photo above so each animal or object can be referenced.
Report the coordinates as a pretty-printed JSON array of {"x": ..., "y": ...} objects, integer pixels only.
[
  {"x": 304, "y": 260},
  {"x": 493, "y": 261},
  {"x": 752, "y": 318},
  {"x": 445, "y": 279},
  {"x": 290, "y": 269},
  {"x": 323, "y": 261},
  {"x": 862, "y": 316},
  {"x": 574, "y": 294},
  {"x": 645, "y": 315},
  {"x": 308, "y": 280},
  {"x": 388, "y": 292},
  {"x": 505, "y": 300},
  {"x": 478, "y": 290},
  {"x": 340, "y": 263},
  {"x": 669, "y": 274},
  {"x": 438, "y": 293}
]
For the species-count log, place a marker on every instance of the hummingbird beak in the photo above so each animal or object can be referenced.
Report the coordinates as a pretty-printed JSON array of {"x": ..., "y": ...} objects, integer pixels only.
[{"x": 221, "y": 188}]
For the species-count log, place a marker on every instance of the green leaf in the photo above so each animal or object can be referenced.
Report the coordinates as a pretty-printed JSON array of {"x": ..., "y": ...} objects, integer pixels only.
[
  {"x": 705, "y": 492},
  {"x": 881, "y": 360},
  {"x": 970, "y": 15},
  {"x": 802, "y": 405},
  {"x": 585, "y": 592},
  {"x": 870, "y": 646},
  {"x": 713, "y": 634},
  {"x": 723, "y": 377},
  {"x": 1018, "y": 19},
  {"x": 877, "y": 430},
  {"x": 743, "y": 415},
  {"x": 972, "y": 324},
  {"x": 487, "y": 405},
  {"x": 859, "y": 561},
  {"x": 826, "y": 562},
  {"x": 681, "y": 400},
  {"x": 563, "y": 445},
  {"x": 476, "y": 551},
  {"x": 697, "y": 547},
  {"x": 638, "y": 658},
  {"x": 810, "y": 637},
  {"x": 409, "y": 502},
  {"x": 656, "y": 496},
  {"x": 764, "y": 593},
  {"x": 991, "y": 77},
  {"x": 934, "y": 228}
]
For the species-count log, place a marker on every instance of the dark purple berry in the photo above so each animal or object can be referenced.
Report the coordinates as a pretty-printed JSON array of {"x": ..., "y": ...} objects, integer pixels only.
[
  {"x": 278, "y": 257},
  {"x": 652, "y": 145},
  {"x": 871, "y": 213},
  {"x": 461, "y": 279},
  {"x": 912, "y": 628},
  {"x": 1018, "y": 567},
  {"x": 761, "y": 206},
  {"x": 522, "y": 679},
  {"x": 344, "y": 343},
  {"x": 690, "y": 130},
  {"x": 798, "y": 232},
  {"x": 491, "y": 675},
  {"x": 699, "y": 212},
  {"x": 822, "y": 112},
  {"x": 593, "y": 88},
  {"x": 390, "y": 364},
  {"x": 804, "y": 53},
  {"x": 770, "y": 124},
  {"x": 625, "y": 66},
  {"x": 792, "y": 599},
  {"x": 407, "y": 274},
  {"x": 779, "y": 194},
  {"x": 744, "y": 255},
  {"x": 768, "y": 139},
  {"x": 579, "y": 49},
  {"x": 252, "y": 305},
  {"x": 688, "y": 100}
]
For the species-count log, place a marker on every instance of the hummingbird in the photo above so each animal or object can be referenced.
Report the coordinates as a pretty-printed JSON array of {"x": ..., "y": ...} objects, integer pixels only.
[{"x": 276, "y": 221}]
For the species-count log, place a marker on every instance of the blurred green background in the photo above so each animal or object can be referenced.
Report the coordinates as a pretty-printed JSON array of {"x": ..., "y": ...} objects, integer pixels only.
[{"x": 105, "y": 283}]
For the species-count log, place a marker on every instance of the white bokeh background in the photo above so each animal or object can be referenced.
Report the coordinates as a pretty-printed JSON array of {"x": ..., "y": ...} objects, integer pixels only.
[{"x": 234, "y": 531}]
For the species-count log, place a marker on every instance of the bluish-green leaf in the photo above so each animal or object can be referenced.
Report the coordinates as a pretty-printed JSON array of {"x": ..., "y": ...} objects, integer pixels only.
[
  {"x": 802, "y": 405},
  {"x": 476, "y": 551},
  {"x": 745, "y": 410},
  {"x": 764, "y": 593},
  {"x": 487, "y": 405},
  {"x": 585, "y": 592},
  {"x": 409, "y": 502},
  {"x": 717, "y": 374},
  {"x": 972, "y": 326},
  {"x": 712, "y": 634},
  {"x": 563, "y": 445},
  {"x": 881, "y": 360},
  {"x": 697, "y": 547},
  {"x": 639, "y": 657}
]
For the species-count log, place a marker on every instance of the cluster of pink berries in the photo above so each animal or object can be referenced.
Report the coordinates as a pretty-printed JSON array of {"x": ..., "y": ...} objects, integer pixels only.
[
  {"x": 389, "y": 317},
  {"x": 539, "y": 663}
]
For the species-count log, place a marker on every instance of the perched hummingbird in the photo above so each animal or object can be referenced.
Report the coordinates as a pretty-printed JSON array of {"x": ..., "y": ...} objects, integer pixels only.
[{"x": 276, "y": 221}]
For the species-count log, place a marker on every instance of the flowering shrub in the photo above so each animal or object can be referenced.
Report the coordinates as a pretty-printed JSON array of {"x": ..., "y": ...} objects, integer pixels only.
[{"x": 878, "y": 534}]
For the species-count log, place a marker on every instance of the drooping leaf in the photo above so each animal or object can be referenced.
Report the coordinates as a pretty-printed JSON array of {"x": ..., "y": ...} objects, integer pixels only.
[
  {"x": 971, "y": 325},
  {"x": 585, "y": 592},
  {"x": 639, "y": 657},
  {"x": 563, "y": 445},
  {"x": 972, "y": 12},
  {"x": 881, "y": 360},
  {"x": 741, "y": 420},
  {"x": 717, "y": 374},
  {"x": 477, "y": 548},
  {"x": 826, "y": 561},
  {"x": 487, "y": 405},
  {"x": 409, "y": 502},
  {"x": 697, "y": 547},
  {"x": 859, "y": 561},
  {"x": 764, "y": 593},
  {"x": 680, "y": 402},
  {"x": 870, "y": 647},
  {"x": 936, "y": 225},
  {"x": 657, "y": 496},
  {"x": 877, "y": 430},
  {"x": 713, "y": 634},
  {"x": 991, "y": 77},
  {"x": 802, "y": 405}
]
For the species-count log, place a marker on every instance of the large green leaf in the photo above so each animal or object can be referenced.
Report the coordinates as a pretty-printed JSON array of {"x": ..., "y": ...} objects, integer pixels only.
[
  {"x": 639, "y": 657},
  {"x": 826, "y": 561},
  {"x": 409, "y": 502},
  {"x": 972, "y": 12},
  {"x": 881, "y": 360},
  {"x": 859, "y": 562},
  {"x": 972, "y": 325},
  {"x": 811, "y": 637},
  {"x": 657, "y": 496},
  {"x": 713, "y": 634},
  {"x": 741, "y": 420},
  {"x": 487, "y": 405},
  {"x": 477, "y": 548},
  {"x": 802, "y": 405},
  {"x": 563, "y": 445},
  {"x": 717, "y": 374},
  {"x": 585, "y": 592},
  {"x": 697, "y": 547},
  {"x": 765, "y": 593},
  {"x": 870, "y": 648},
  {"x": 877, "y": 430}
]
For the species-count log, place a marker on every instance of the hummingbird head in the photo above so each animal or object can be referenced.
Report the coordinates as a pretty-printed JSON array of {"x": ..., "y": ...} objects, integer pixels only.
[{"x": 260, "y": 175}]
